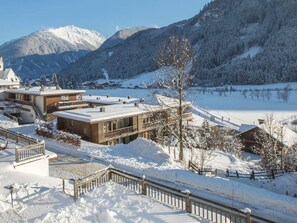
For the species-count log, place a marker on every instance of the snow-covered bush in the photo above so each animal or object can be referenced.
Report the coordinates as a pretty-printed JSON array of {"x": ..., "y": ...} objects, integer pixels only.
[
  {"x": 43, "y": 129},
  {"x": 67, "y": 137},
  {"x": 47, "y": 130}
]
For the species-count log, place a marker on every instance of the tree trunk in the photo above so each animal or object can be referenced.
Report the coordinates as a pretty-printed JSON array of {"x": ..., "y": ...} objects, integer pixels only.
[{"x": 180, "y": 114}]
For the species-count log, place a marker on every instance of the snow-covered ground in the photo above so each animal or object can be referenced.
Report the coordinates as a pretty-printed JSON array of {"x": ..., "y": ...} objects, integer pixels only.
[
  {"x": 41, "y": 199},
  {"x": 110, "y": 203},
  {"x": 141, "y": 157}
]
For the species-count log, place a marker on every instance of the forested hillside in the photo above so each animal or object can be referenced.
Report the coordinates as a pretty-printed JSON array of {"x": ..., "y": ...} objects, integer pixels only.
[{"x": 235, "y": 42}]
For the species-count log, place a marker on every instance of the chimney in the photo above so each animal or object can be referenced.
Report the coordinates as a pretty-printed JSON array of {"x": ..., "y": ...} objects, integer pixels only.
[
  {"x": 102, "y": 109},
  {"x": 136, "y": 104}
]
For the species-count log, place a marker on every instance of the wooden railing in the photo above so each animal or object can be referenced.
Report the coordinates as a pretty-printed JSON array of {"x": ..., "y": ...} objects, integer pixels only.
[
  {"x": 17, "y": 137},
  {"x": 6, "y": 114},
  {"x": 184, "y": 200},
  {"x": 70, "y": 104},
  {"x": 88, "y": 183},
  {"x": 201, "y": 171},
  {"x": 117, "y": 132},
  {"x": 29, "y": 152}
]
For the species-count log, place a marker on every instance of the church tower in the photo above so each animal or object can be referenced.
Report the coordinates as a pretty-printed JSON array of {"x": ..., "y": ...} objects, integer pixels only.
[{"x": 1, "y": 64}]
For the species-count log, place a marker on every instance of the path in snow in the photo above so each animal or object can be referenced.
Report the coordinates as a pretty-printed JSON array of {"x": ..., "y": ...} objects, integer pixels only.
[{"x": 69, "y": 167}]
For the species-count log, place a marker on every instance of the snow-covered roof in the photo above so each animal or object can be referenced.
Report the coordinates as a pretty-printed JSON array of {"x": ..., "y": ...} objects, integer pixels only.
[
  {"x": 9, "y": 75},
  {"x": 245, "y": 127},
  {"x": 93, "y": 115},
  {"x": 169, "y": 102},
  {"x": 289, "y": 137},
  {"x": 108, "y": 100},
  {"x": 47, "y": 91}
]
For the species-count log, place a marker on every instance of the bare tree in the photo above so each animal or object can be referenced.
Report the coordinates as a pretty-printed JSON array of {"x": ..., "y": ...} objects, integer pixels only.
[
  {"x": 271, "y": 148},
  {"x": 175, "y": 61}
]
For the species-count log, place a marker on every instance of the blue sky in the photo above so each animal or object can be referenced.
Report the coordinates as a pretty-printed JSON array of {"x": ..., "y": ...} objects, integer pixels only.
[{"x": 22, "y": 17}]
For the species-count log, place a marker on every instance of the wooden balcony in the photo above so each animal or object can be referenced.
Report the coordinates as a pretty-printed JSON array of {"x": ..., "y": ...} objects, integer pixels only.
[
  {"x": 174, "y": 119},
  {"x": 187, "y": 116},
  {"x": 63, "y": 105},
  {"x": 150, "y": 125},
  {"x": 118, "y": 132}
]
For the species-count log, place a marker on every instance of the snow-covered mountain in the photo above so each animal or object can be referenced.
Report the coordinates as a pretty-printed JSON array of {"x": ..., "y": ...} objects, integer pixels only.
[
  {"x": 235, "y": 42},
  {"x": 49, "y": 50},
  {"x": 121, "y": 35}
]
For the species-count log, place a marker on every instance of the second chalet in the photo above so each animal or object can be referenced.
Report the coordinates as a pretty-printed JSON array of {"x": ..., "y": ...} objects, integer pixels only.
[{"x": 40, "y": 102}]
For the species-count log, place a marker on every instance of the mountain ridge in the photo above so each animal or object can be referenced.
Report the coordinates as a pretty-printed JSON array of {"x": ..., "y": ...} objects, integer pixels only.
[{"x": 235, "y": 42}]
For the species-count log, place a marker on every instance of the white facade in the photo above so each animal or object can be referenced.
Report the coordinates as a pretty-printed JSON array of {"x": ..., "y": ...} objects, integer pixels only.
[
  {"x": 39, "y": 167},
  {"x": 8, "y": 79}
]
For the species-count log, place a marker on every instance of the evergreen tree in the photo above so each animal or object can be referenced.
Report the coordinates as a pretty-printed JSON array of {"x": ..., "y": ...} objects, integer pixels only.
[
  {"x": 55, "y": 81},
  {"x": 43, "y": 80}
]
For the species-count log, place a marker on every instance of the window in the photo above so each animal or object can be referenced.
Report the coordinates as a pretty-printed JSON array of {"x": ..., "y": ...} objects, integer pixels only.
[
  {"x": 107, "y": 127},
  {"x": 64, "y": 97},
  {"x": 71, "y": 123}
]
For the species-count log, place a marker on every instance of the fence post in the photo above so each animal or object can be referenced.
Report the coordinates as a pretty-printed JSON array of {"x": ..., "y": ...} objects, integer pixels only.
[
  {"x": 188, "y": 201},
  {"x": 248, "y": 215},
  {"x": 227, "y": 172},
  {"x": 144, "y": 183},
  {"x": 43, "y": 147},
  {"x": 75, "y": 191},
  {"x": 17, "y": 158},
  {"x": 109, "y": 174},
  {"x": 63, "y": 183},
  {"x": 272, "y": 174}
]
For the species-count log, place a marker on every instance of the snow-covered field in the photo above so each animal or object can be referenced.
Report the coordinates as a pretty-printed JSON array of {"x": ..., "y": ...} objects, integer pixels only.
[{"x": 231, "y": 106}]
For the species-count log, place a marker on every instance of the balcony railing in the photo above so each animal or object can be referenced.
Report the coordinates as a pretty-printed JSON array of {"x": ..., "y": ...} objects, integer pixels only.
[
  {"x": 174, "y": 118},
  {"x": 119, "y": 132},
  {"x": 150, "y": 124},
  {"x": 71, "y": 104},
  {"x": 29, "y": 152},
  {"x": 187, "y": 116}
]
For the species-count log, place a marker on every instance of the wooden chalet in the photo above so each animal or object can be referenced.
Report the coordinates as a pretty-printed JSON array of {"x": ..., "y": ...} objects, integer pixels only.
[
  {"x": 41, "y": 102},
  {"x": 113, "y": 124}
]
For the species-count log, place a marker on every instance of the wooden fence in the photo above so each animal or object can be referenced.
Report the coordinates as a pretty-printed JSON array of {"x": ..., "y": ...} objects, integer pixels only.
[
  {"x": 255, "y": 175},
  {"x": 202, "y": 171},
  {"x": 29, "y": 152},
  {"x": 17, "y": 137},
  {"x": 184, "y": 200}
]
